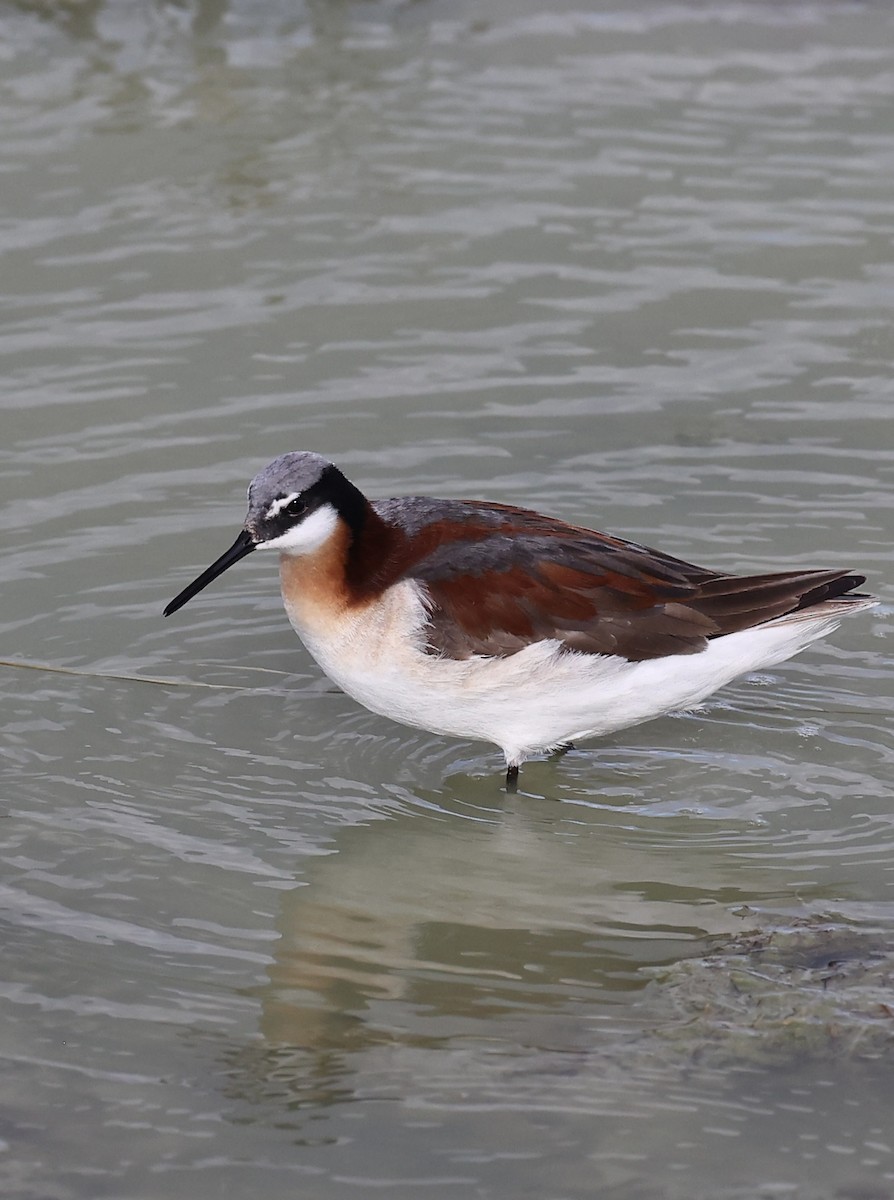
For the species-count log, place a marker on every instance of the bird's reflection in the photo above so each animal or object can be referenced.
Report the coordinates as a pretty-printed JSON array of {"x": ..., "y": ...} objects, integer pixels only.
[
  {"x": 457, "y": 916},
  {"x": 526, "y": 925}
]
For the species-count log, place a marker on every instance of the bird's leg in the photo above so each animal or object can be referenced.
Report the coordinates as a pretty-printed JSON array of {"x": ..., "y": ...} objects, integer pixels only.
[{"x": 512, "y": 778}]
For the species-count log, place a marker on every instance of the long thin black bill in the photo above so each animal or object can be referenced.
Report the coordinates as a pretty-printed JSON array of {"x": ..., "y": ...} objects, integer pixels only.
[{"x": 243, "y": 545}]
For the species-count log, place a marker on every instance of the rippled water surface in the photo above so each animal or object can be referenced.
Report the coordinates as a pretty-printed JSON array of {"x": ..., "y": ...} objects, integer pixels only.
[{"x": 628, "y": 263}]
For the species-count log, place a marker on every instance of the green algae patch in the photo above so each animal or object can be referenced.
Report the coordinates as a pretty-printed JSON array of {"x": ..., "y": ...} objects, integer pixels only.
[{"x": 813, "y": 990}]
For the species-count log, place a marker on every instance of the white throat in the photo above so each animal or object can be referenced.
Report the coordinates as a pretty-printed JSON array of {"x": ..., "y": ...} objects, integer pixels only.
[{"x": 308, "y": 535}]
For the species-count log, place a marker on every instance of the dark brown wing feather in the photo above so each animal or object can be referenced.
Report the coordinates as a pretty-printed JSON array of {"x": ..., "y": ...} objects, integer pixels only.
[{"x": 499, "y": 578}]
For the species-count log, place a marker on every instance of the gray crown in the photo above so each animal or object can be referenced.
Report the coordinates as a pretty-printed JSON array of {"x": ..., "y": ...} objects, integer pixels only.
[{"x": 295, "y": 472}]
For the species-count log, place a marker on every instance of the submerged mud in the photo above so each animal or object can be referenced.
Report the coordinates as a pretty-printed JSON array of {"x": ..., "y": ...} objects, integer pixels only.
[{"x": 809, "y": 991}]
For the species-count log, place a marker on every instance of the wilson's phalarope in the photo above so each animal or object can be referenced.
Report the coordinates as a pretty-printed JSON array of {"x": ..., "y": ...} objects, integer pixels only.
[{"x": 497, "y": 623}]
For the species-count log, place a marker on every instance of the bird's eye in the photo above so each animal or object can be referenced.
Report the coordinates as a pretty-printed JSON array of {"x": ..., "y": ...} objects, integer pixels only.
[{"x": 296, "y": 507}]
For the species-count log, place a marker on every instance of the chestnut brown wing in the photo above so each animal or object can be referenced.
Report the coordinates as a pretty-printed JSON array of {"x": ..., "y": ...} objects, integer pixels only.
[{"x": 495, "y": 588}]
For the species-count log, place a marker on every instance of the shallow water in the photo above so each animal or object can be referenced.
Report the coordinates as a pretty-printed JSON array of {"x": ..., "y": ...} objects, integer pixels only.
[{"x": 629, "y": 264}]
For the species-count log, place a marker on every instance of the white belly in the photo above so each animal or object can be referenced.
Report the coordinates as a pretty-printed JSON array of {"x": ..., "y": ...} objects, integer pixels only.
[{"x": 533, "y": 700}]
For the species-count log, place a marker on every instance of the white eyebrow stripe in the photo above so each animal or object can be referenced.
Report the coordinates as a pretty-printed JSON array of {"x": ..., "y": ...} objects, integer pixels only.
[{"x": 278, "y": 505}]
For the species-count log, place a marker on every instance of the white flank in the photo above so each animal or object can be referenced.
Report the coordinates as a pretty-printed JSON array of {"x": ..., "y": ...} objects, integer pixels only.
[
  {"x": 540, "y": 697},
  {"x": 308, "y": 535}
]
